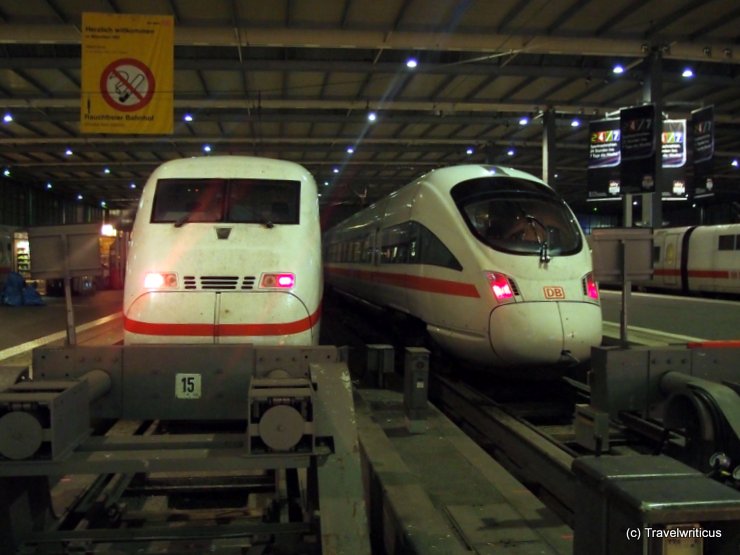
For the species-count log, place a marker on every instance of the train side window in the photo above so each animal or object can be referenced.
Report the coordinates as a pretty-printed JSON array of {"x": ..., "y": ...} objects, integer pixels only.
[
  {"x": 433, "y": 251},
  {"x": 656, "y": 253},
  {"x": 367, "y": 250},
  {"x": 726, "y": 242},
  {"x": 737, "y": 242}
]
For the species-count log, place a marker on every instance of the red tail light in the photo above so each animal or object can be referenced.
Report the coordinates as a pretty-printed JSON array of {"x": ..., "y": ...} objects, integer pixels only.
[
  {"x": 158, "y": 280},
  {"x": 592, "y": 290},
  {"x": 278, "y": 281},
  {"x": 500, "y": 286}
]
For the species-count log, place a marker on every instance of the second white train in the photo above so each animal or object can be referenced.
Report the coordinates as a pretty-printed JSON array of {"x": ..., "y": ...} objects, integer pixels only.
[{"x": 491, "y": 259}]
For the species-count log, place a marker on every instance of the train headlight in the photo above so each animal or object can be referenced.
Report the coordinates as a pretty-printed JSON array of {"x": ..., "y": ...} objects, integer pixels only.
[
  {"x": 590, "y": 288},
  {"x": 277, "y": 281},
  {"x": 500, "y": 286},
  {"x": 159, "y": 280}
]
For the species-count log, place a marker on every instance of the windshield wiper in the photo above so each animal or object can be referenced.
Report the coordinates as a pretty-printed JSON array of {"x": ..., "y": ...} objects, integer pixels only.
[
  {"x": 183, "y": 219},
  {"x": 544, "y": 244}
]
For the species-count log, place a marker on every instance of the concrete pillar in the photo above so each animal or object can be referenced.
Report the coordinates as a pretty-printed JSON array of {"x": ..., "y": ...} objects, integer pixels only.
[
  {"x": 652, "y": 91},
  {"x": 549, "y": 140}
]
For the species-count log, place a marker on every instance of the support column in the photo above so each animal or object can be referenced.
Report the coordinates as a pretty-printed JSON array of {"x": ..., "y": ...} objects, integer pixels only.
[
  {"x": 549, "y": 139},
  {"x": 652, "y": 91}
]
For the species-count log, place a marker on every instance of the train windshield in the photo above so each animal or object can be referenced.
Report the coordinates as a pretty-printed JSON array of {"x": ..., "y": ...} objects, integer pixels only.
[
  {"x": 265, "y": 201},
  {"x": 518, "y": 216}
]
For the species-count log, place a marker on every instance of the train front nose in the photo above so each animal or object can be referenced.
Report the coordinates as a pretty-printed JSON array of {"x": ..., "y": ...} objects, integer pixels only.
[{"x": 546, "y": 333}]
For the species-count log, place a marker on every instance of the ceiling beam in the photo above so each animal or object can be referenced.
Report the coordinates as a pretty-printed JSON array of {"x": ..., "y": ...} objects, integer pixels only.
[{"x": 529, "y": 41}]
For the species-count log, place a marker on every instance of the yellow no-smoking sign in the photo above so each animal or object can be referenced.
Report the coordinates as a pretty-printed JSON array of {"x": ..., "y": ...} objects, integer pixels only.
[{"x": 127, "y": 74}]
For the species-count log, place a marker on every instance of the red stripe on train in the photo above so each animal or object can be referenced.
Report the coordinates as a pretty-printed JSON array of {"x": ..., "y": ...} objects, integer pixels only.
[
  {"x": 431, "y": 285},
  {"x": 221, "y": 330},
  {"x": 718, "y": 274}
]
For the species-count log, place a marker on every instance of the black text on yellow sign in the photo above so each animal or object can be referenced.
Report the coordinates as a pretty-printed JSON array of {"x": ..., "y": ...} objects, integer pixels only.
[{"x": 127, "y": 74}]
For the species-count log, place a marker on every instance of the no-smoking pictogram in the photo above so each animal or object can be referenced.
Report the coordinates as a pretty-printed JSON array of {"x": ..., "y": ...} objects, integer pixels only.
[{"x": 127, "y": 85}]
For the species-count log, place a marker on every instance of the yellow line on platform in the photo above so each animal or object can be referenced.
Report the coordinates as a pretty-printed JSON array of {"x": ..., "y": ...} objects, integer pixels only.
[{"x": 30, "y": 345}]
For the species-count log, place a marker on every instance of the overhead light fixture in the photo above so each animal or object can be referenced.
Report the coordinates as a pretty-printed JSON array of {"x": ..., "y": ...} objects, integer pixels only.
[
  {"x": 618, "y": 69},
  {"x": 372, "y": 116},
  {"x": 734, "y": 163},
  {"x": 524, "y": 120},
  {"x": 79, "y": 197},
  {"x": 6, "y": 172},
  {"x": 103, "y": 204},
  {"x": 187, "y": 117},
  {"x": 68, "y": 152},
  {"x": 687, "y": 73},
  {"x": 8, "y": 117},
  {"x": 469, "y": 151},
  {"x": 350, "y": 150},
  {"x": 132, "y": 185},
  {"x": 575, "y": 122},
  {"x": 206, "y": 148},
  {"x": 335, "y": 170},
  {"x": 48, "y": 185},
  {"x": 326, "y": 183},
  {"x": 106, "y": 171},
  {"x": 511, "y": 152},
  {"x": 411, "y": 63}
]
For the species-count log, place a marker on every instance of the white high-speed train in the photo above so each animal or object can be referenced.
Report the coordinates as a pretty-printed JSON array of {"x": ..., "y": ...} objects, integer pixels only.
[
  {"x": 697, "y": 259},
  {"x": 491, "y": 259},
  {"x": 225, "y": 249}
]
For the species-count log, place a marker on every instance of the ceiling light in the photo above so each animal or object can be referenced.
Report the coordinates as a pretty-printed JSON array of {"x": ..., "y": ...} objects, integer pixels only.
[
  {"x": 103, "y": 204},
  {"x": 206, "y": 148},
  {"x": 6, "y": 172},
  {"x": 469, "y": 151},
  {"x": 106, "y": 171},
  {"x": 372, "y": 116},
  {"x": 688, "y": 73},
  {"x": 79, "y": 197},
  {"x": 132, "y": 185},
  {"x": 350, "y": 150},
  {"x": 187, "y": 117},
  {"x": 524, "y": 120},
  {"x": 734, "y": 163},
  {"x": 48, "y": 185},
  {"x": 326, "y": 183},
  {"x": 618, "y": 70},
  {"x": 510, "y": 152},
  {"x": 335, "y": 170},
  {"x": 411, "y": 63},
  {"x": 8, "y": 117},
  {"x": 68, "y": 152},
  {"x": 575, "y": 123}
]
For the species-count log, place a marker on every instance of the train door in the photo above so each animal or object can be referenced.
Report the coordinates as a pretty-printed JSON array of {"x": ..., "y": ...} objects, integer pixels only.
[{"x": 671, "y": 260}]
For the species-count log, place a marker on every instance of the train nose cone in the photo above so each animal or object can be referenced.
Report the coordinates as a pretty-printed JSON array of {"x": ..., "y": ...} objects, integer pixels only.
[{"x": 534, "y": 333}]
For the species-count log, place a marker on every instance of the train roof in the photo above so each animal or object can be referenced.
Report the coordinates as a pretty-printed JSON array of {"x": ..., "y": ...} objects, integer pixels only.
[
  {"x": 452, "y": 175},
  {"x": 230, "y": 166},
  {"x": 446, "y": 178}
]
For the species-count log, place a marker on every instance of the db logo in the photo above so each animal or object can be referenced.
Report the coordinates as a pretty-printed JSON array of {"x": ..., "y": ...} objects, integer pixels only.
[{"x": 554, "y": 292}]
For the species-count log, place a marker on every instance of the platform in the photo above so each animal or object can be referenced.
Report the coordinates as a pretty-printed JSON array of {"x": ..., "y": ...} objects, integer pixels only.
[{"x": 438, "y": 492}]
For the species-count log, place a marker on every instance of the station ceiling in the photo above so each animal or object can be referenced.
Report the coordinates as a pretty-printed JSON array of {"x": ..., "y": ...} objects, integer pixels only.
[{"x": 296, "y": 79}]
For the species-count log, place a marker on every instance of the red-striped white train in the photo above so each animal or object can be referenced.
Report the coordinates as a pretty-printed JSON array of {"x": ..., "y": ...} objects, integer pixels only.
[
  {"x": 697, "y": 259},
  {"x": 489, "y": 258},
  {"x": 225, "y": 249}
]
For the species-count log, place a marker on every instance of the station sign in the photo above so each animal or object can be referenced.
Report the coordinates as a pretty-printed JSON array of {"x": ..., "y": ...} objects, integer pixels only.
[{"x": 127, "y": 74}]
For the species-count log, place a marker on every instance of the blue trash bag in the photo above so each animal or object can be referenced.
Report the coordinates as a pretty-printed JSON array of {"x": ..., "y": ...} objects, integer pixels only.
[
  {"x": 17, "y": 293},
  {"x": 31, "y": 297},
  {"x": 12, "y": 292}
]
